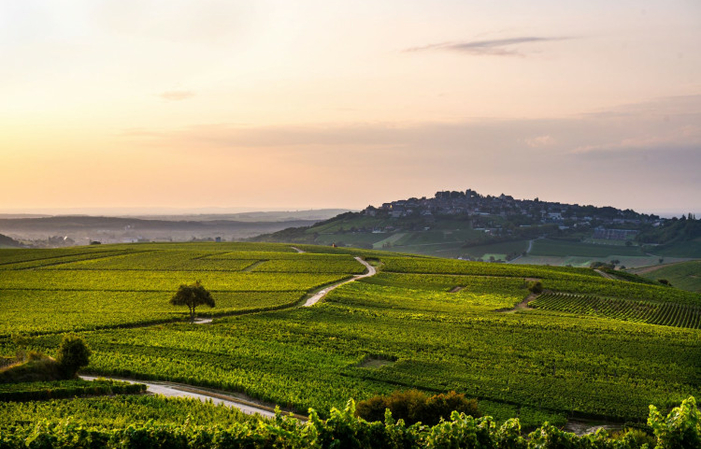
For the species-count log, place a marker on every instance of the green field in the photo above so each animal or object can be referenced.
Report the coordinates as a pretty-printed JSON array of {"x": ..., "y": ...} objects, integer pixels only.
[
  {"x": 129, "y": 285},
  {"x": 440, "y": 324},
  {"x": 480, "y": 251},
  {"x": 548, "y": 247},
  {"x": 686, "y": 275},
  {"x": 691, "y": 249},
  {"x": 122, "y": 411}
]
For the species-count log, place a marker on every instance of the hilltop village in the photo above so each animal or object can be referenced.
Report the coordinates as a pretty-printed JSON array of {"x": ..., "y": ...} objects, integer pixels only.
[{"x": 494, "y": 212}]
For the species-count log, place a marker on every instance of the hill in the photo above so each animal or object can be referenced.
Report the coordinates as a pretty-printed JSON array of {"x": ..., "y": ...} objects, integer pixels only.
[
  {"x": 684, "y": 275},
  {"x": 6, "y": 241},
  {"x": 59, "y": 231},
  {"x": 471, "y": 226},
  {"x": 588, "y": 346}
]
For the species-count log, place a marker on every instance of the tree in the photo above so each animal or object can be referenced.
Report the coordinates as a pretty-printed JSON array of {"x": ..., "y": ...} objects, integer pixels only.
[
  {"x": 192, "y": 296},
  {"x": 73, "y": 354},
  {"x": 535, "y": 287}
]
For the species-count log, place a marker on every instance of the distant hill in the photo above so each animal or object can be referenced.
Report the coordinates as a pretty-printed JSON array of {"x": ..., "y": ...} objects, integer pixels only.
[
  {"x": 78, "y": 229},
  {"x": 6, "y": 241},
  {"x": 249, "y": 217},
  {"x": 468, "y": 225}
]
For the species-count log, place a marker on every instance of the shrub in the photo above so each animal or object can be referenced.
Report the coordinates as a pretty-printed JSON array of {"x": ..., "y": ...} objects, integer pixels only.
[
  {"x": 415, "y": 406},
  {"x": 73, "y": 354},
  {"x": 535, "y": 287}
]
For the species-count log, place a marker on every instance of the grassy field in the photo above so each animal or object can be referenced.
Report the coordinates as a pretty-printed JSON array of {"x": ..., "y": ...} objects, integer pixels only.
[
  {"x": 685, "y": 275},
  {"x": 548, "y": 247},
  {"x": 441, "y": 325},
  {"x": 478, "y": 252},
  {"x": 691, "y": 249}
]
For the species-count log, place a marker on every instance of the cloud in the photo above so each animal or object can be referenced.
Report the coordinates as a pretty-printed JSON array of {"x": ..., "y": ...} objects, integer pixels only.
[
  {"x": 540, "y": 141},
  {"x": 684, "y": 137},
  {"x": 473, "y": 142},
  {"x": 492, "y": 47},
  {"x": 176, "y": 95}
]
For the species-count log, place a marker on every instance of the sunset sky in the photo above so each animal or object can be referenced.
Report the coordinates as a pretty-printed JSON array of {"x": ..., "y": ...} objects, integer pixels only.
[{"x": 309, "y": 104}]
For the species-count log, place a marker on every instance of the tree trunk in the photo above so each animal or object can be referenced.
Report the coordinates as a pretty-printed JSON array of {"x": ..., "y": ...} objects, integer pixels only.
[{"x": 192, "y": 314}]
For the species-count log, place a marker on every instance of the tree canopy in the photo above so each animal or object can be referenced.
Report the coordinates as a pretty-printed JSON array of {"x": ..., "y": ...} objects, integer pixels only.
[
  {"x": 192, "y": 296},
  {"x": 73, "y": 354}
]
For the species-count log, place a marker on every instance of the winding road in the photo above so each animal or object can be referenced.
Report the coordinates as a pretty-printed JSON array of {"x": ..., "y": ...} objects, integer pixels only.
[
  {"x": 318, "y": 296},
  {"x": 530, "y": 247},
  {"x": 171, "y": 389},
  {"x": 247, "y": 405}
]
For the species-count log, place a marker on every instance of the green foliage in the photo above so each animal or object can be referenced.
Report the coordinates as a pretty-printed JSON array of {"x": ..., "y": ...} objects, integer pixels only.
[
  {"x": 121, "y": 285},
  {"x": 450, "y": 266},
  {"x": 43, "y": 311},
  {"x": 549, "y": 247},
  {"x": 65, "y": 389},
  {"x": 35, "y": 370},
  {"x": 414, "y": 406},
  {"x": 105, "y": 412},
  {"x": 635, "y": 438},
  {"x": 672, "y": 231},
  {"x": 652, "y": 312},
  {"x": 537, "y": 364},
  {"x": 73, "y": 354},
  {"x": 680, "y": 430},
  {"x": 686, "y": 275},
  {"x": 623, "y": 275},
  {"x": 624, "y": 290},
  {"x": 192, "y": 296},
  {"x": 535, "y": 287}
]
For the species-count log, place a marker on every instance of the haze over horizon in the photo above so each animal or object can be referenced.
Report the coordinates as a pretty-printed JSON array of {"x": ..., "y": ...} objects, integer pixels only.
[{"x": 277, "y": 105}]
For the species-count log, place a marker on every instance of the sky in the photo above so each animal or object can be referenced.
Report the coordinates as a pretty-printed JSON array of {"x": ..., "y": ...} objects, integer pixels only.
[{"x": 273, "y": 104}]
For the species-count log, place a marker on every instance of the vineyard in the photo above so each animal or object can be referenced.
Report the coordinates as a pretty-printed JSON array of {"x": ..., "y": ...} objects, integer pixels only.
[
  {"x": 65, "y": 389},
  {"x": 148, "y": 422},
  {"x": 651, "y": 312},
  {"x": 120, "y": 411},
  {"x": 438, "y": 325},
  {"x": 126, "y": 285}
]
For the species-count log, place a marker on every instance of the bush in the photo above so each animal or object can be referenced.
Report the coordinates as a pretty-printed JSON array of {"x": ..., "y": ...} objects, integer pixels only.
[
  {"x": 73, "y": 354},
  {"x": 415, "y": 406},
  {"x": 535, "y": 287}
]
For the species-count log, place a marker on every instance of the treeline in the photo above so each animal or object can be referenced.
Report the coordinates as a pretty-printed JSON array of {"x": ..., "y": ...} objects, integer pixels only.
[
  {"x": 680, "y": 429},
  {"x": 674, "y": 230}
]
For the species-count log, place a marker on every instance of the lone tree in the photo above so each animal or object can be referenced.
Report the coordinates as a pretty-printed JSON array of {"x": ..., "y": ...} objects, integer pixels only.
[
  {"x": 535, "y": 287},
  {"x": 73, "y": 354},
  {"x": 192, "y": 296}
]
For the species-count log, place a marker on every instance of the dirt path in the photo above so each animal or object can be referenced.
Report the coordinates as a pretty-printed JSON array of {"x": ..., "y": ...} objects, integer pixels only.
[
  {"x": 643, "y": 270},
  {"x": 523, "y": 305},
  {"x": 318, "y": 296},
  {"x": 246, "y": 404},
  {"x": 606, "y": 275},
  {"x": 298, "y": 250},
  {"x": 253, "y": 266},
  {"x": 585, "y": 427}
]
